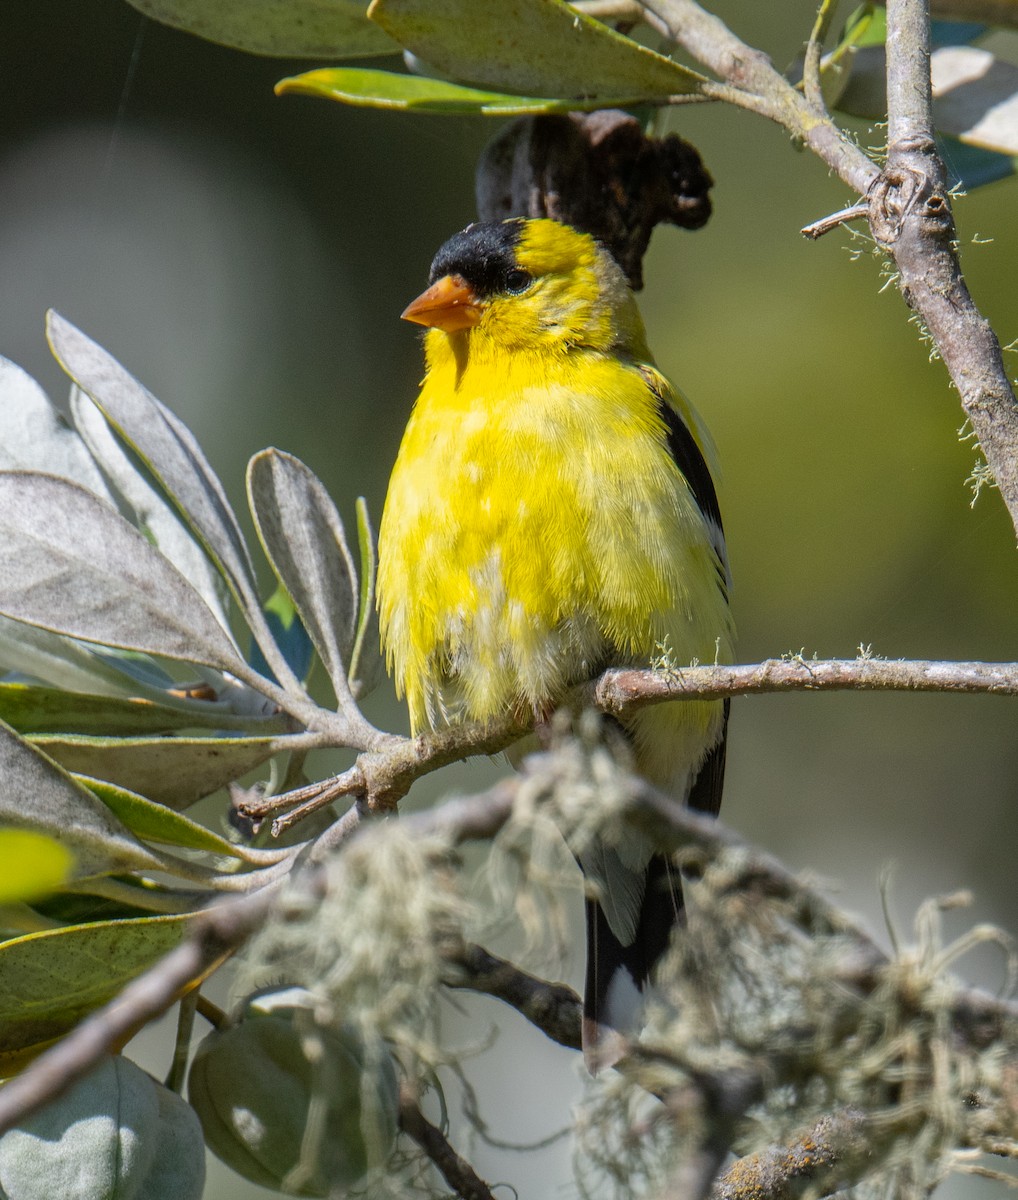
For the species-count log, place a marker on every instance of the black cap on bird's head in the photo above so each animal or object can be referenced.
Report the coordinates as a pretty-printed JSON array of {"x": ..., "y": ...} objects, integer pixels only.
[
  {"x": 470, "y": 268},
  {"x": 484, "y": 254}
]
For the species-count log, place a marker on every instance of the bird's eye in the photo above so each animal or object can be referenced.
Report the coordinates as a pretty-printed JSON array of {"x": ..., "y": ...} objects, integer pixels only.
[{"x": 518, "y": 281}]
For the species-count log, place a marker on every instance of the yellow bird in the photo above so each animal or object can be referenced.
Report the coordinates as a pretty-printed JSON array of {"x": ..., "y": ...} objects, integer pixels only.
[{"x": 551, "y": 513}]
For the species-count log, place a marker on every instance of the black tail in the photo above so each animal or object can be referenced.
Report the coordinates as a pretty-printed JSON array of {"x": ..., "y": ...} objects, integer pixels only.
[{"x": 618, "y": 973}]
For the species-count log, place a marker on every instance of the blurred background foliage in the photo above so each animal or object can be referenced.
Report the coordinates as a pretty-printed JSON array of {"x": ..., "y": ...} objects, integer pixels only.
[{"x": 247, "y": 256}]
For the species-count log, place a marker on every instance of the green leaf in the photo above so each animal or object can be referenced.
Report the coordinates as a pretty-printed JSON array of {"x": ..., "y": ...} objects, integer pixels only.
[
  {"x": 71, "y": 563},
  {"x": 157, "y": 823},
  {"x": 79, "y": 908},
  {"x": 285, "y": 28},
  {"x": 836, "y": 67},
  {"x": 34, "y": 865},
  {"x": 39, "y": 796},
  {"x": 175, "y": 771},
  {"x": 304, "y": 540},
  {"x": 33, "y": 709},
  {"x": 533, "y": 47},
  {"x": 290, "y": 636},
  {"x": 50, "y": 980},
  {"x": 413, "y": 93},
  {"x": 366, "y": 659},
  {"x": 867, "y": 26}
]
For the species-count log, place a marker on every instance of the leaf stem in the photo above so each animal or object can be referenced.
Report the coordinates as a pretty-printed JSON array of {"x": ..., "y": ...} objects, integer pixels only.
[{"x": 811, "y": 80}]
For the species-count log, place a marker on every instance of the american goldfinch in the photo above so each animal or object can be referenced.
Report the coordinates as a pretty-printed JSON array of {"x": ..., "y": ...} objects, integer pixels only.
[{"x": 551, "y": 513}]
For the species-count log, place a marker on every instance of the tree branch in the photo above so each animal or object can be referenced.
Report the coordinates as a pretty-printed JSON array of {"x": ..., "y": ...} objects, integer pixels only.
[
  {"x": 859, "y": 971},
  {"x": 551, "y": 1007},
  {"x": 756, "y": 85},
  {"x": 909, "y": 209},
  {"x": 620, "y": 692},
  {"x": 833, "y": 1154},
  {"x": 215, "y": 934},
  {"x": 382, "y": 777},
  {"x": 910, "y": 216},
  {"x": 909, "y": 88}
]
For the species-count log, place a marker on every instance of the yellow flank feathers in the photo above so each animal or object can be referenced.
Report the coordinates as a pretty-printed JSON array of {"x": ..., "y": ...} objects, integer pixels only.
[{"x": 537, "y": 529}]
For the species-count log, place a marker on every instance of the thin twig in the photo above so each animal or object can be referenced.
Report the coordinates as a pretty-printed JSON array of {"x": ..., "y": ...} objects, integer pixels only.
[
  {"x": 186, "y": 1011},
  {"x": 855, "y": 212},
  {"x": 382, "y": 777},
  {"x": 454, "y": 1168}
]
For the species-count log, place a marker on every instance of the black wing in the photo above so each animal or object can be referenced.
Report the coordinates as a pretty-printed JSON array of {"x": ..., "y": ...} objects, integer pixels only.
[
  {"x": 705, "y": 794},
  {"x": 686, "y": 453}
]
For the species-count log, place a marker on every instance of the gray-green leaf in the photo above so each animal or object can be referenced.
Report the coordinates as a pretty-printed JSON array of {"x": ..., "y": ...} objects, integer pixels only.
[
  {"x": 175, "y": 771},
  {"x": 151, "y": 512},
  {"x": 303, "y": 537},
  {"x": 71, "y": 563},
  {"x": 61, "y": 661},
  {"x": 166, "y": 446},
  {"x": 533, "y": 47},
  {"x": 286, "y": 28},
  {"x": 976, "y": 97},
  {"x": 33, "y": 709},
  {"x": 34, "y": 436},
  {"x": 975, "y": 94}
]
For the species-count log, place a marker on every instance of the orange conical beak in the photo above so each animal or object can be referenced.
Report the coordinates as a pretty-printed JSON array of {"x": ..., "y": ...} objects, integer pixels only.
[{"x": 450, "y": 304}]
